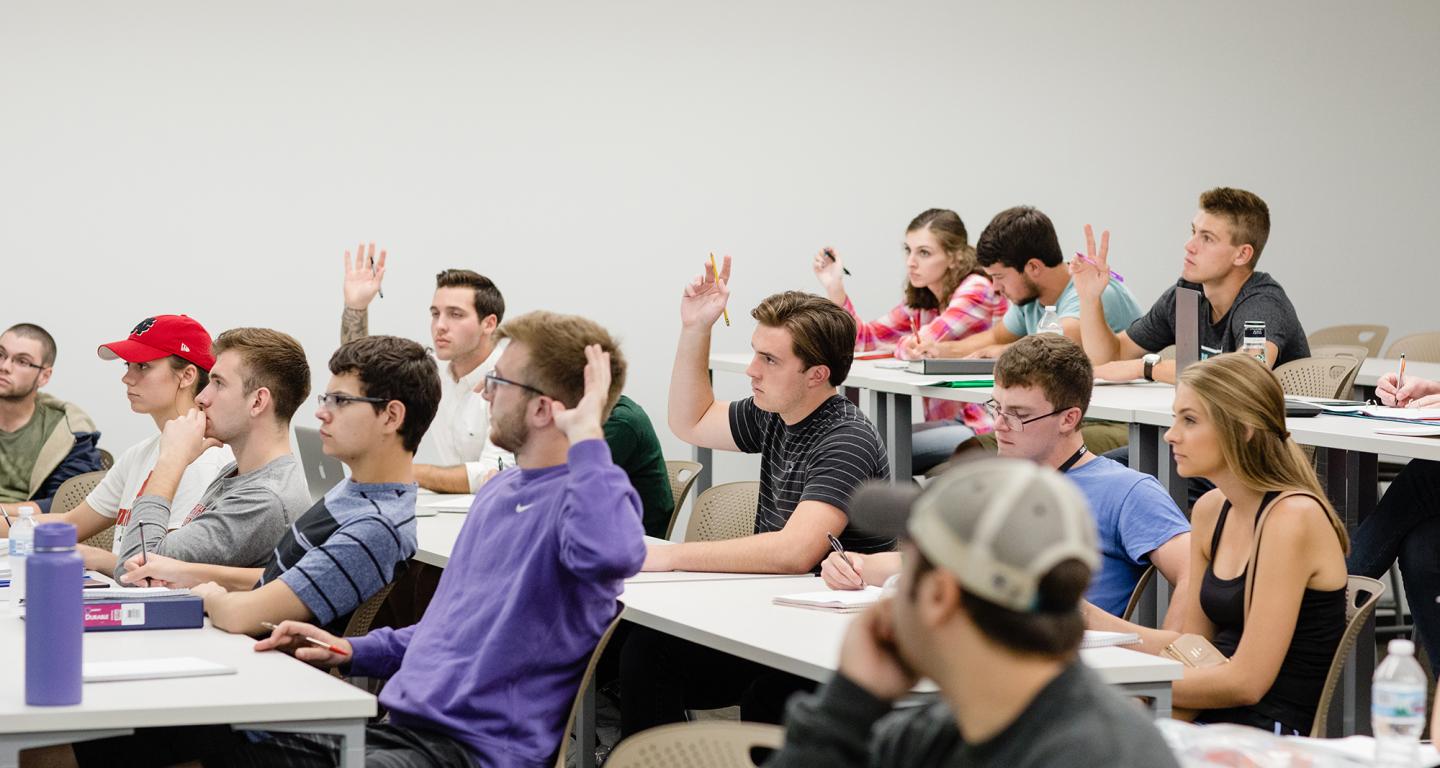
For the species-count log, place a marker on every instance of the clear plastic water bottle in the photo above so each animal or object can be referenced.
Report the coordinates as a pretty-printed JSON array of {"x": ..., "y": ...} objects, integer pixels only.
[
  {"x": 22, "y": 543},
  {"x": 1050, "y": 321},
  {"x": 1254, "y": 343},
  {"x": 1397, "y": 706}
]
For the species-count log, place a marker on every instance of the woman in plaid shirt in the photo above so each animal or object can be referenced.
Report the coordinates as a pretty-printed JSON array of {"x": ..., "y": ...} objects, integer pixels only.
[{"x": 947, "y": 297}]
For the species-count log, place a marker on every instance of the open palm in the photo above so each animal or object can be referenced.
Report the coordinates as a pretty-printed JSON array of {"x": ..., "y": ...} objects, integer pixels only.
[
  {"x": 585, "y": 420},
  {"x": 363, "y": 276},
  {"x": 705, "y": 297}
]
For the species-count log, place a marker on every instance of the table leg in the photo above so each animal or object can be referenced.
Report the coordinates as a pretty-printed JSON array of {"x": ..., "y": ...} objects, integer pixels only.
[
  {"x": 1351, "y": 480},
  {"x": 351, "y": 733},
  {"x": 706, "y": 477},
  {"x": 11, "y": 744},
  {"x": 897, "y": 436},
  {"x": 585, "y": 728},
  {"x": 1158, "y": 694}
]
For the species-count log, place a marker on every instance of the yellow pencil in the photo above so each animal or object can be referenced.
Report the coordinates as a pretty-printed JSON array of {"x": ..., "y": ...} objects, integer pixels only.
[{"x": 716, "y": 270}]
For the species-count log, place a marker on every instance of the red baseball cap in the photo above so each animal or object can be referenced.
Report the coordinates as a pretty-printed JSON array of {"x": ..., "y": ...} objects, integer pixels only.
[{"x": 162, "y": 336}]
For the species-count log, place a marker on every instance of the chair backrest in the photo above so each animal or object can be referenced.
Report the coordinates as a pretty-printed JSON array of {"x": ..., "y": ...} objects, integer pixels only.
[
  {"x": 714, "y": 744},
  {"x": 1145, "y": 578},
  {"x": 585, "y": 681},
  {"x": 1371, "y": 337},
  {"x": 106, "y": 459},
  {"x": 683, "y": 475},
  {"x": 1318, "y": 376},
  {"x": 725, "y": 511},
  {"x": 1361, "y": 594},
  {"x": 73, "y": 491},
  {"x": 364, "y": 616},
  {"x": 1356, "y": 351},
  {"x": 1424, "y": 347}
]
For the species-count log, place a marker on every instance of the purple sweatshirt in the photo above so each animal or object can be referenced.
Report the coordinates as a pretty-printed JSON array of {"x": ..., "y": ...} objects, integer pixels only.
[{"x": 530, "y": 587}]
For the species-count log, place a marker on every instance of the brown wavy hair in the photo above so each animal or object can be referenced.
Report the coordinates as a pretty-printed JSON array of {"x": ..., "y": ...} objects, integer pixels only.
[{"x": 949, "y": 231}]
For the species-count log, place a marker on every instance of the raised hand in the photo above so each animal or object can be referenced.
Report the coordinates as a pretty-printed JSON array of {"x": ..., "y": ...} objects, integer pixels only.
[
  {"x": 585, "y": 420},
  {"x": 289, "y": 636},
  {"x": 1092, "y": 273},
  {"x": 705, "y": 297},
  {"x": 831, "y": 273},
  {"x": 869, "y": 657},
  {"x": 363, "y": 276}
]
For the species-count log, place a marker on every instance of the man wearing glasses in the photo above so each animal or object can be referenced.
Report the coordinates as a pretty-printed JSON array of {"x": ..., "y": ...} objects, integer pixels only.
[
  {"x": 43, "y": 441},
  {"x": 1042, "y": 388}
]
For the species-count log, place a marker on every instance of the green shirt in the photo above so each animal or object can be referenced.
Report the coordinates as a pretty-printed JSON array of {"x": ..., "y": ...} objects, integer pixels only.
[
  {"x": 635, "y": 449},
  {"x": 20, "y": 449}
]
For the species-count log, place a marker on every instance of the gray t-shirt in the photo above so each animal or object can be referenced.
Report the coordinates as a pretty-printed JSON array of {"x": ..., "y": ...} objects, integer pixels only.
[
  {"x": 1260, "y": 298},
  {"x": 237, "y": 521},
  {"x": 1076, "y": 721}
]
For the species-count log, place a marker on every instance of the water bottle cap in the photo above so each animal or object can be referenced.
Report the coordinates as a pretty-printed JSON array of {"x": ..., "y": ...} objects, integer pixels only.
[
  {"x": 1401, "y": 646},
  {"x": 27, "y": 510},
  {"x": 54, "y": 535}
]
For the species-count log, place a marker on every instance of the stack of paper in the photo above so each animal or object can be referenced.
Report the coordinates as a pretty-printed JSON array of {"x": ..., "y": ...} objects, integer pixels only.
[
  {"x": 837, "y": 601},
  {"x": 1097, "y": 639}
]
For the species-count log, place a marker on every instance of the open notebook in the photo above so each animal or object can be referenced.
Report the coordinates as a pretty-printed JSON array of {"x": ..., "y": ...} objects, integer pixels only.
[{"x": 836, "y": 601}]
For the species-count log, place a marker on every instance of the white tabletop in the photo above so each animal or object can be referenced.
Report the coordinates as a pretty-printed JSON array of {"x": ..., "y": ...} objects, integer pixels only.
[
  {"x": 267, "y": 687},
  {"x": 1374, "y": 367},
  {"x": 738, "y": 617}
]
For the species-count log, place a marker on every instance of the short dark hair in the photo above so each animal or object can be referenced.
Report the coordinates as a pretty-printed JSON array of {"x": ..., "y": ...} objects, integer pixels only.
[
  {"x": 1017, "y": 235},
  {"x": 488, "y": 300},
  {"x": 1054, "y": 628},
  {"x": 394, "y": 369},
  {"x": 1054, "y": 363},
  {"x": 273, "y": 360},
  {"x": 178, "y": 364},
  {"x": 556, "y": 344},
  {"x": 36, "y": 333},
  {"x": 1249, "y": 216},
  {"x": 821, "y": 332}
]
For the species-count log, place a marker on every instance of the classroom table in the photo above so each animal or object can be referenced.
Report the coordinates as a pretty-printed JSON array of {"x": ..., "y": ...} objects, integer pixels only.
[
  {"x": 738, "y": 617},
  {"x": 269, "y": 692},
  {"x": 1372, "y": 368}
]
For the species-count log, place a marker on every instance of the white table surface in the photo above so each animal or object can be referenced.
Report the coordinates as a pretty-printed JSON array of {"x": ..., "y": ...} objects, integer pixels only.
[
  {"x": 1374, "y": 367},
  {"x": 738, "y": 617},
  {"x": 267, "y": 687}
]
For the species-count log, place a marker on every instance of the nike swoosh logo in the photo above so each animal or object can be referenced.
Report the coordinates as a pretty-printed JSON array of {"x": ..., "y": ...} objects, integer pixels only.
[{"x": 522, "y": 507}]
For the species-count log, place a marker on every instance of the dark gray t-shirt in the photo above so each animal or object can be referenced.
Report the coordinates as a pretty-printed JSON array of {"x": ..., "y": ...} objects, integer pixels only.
[
  {"x": 1260, "y": 298},
  {"x": 825, "y": 457},
  {"x": 1076, "y": 721}
]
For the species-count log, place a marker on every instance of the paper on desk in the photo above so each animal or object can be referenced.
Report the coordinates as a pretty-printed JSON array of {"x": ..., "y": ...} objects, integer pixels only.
[
  {"x": 1109, "y": 383},
  {"x": 448, "y": 502},
  {"x": 899, "y": 365},
  {"x": 1094, "y": 638},
  {"x": 151, "y": 669},
  {"x": 837, "y": 600},
  {"x": 1409, "y": 414},
  {"x": 124, "y": 592},
  {"x": 1403, "y": 431}
]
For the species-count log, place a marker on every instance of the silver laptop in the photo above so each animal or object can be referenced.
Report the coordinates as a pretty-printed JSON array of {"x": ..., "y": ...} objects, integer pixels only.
[
  {"x": 322, "y": 472},
  {"x": 1187, "y": 328}
]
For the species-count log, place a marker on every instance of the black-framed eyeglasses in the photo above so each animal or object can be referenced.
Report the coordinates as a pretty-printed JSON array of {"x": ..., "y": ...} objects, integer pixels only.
[
  {"x": 23, "y": 362},
  {"x": 1012, "y": 422},
  {"x": 332, "y": 401},
  {"x": 491, "y": 380}
]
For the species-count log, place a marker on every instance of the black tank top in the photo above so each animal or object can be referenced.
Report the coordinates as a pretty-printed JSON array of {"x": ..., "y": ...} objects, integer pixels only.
[{"x": 1292, "y": 698}]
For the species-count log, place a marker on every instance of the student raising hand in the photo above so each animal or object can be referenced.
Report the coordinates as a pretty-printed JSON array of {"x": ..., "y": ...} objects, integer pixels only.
[
  {"x": 363, "y": 276},
  {"x": 1092, "y": 274},
  {"x": 583, "y": 422},
  {"x": 294, "y": 638},
  {"x": 705, "y": 297}
]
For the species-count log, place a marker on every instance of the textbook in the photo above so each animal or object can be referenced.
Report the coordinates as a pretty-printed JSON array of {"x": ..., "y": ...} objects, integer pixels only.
[
  {"x": 109, "y": 610},
  {"x": 1097, "y": 639},
  {"x": 952, "y": 367},
  {"x": 835, "y": 601}
]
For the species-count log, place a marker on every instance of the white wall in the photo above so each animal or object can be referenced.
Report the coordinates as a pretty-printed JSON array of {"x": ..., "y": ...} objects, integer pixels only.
[{"x": 216, "y": 159}]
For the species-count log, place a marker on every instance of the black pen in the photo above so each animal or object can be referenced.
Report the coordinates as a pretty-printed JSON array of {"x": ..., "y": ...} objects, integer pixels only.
[
  {"x": 831, "y": 254},
  {"x": 835, "y": 544}
]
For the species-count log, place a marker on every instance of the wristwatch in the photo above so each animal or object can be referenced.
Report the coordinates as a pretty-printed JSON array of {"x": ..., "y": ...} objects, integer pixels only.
[{"x": 1150, "y": 360}]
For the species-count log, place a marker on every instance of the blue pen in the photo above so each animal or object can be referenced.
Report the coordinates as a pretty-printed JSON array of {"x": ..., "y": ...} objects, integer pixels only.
[{"x": 1092, "y": 263}]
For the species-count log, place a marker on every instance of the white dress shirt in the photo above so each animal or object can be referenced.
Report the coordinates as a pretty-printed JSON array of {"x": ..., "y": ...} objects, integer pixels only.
[{"x": 460, "y": 433}]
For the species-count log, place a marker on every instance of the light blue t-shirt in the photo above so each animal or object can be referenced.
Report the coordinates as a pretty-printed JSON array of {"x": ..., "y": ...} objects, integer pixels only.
[
  {"x": 1120, "y": 309},
  {"x": 1135, "y": 516}
]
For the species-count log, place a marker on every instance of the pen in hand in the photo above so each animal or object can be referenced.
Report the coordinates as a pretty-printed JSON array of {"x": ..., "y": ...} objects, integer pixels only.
[
  {"x": 1092, "y": 263},
  {"x": 321, "y": 643},
  {"x": 1400, "y": 382},
  {"x": 831, "y": 254}
]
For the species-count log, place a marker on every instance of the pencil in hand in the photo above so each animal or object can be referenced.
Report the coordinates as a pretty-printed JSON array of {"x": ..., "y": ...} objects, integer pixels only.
[
  {"x": 311, "y": 640},
  {"x": 714, "y": 270}
]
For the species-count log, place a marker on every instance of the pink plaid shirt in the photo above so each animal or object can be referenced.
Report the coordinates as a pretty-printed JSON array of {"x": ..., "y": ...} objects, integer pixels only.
[{"x": 974, "y": 307}]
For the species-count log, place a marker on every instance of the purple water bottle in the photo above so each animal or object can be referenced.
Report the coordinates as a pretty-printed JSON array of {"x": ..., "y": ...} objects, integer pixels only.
[{"x": 54, "y": 623}]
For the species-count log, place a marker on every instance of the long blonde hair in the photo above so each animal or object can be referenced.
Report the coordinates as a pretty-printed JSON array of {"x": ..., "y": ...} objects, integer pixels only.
[{"x": 1247, "y": 406}]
